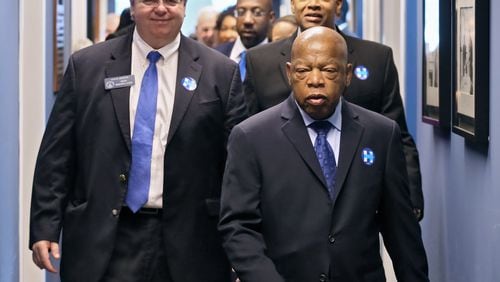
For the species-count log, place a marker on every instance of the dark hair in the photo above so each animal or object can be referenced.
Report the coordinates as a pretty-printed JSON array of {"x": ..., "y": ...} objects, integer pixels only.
[
  {"x": 229, "y": 11},
  {"x": 125, "y": 19},
  {"x": 288, "y": 18}
]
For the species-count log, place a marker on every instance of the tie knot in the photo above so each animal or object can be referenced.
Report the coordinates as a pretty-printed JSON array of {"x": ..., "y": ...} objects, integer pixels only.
[
  {"x": 243, "y": 54},
  {"x": 321, "y": 127},
  {"x": 154, "y": 56}
]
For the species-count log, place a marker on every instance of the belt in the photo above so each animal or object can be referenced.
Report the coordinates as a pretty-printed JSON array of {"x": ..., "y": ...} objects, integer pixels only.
[{"x": 145, "y": 211}]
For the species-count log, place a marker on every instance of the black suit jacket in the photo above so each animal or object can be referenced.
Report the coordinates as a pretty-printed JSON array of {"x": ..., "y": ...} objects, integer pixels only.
[
  {"x": 278, "y": 221},
  {"x": 225, "y": 48},
  {"x": 81, "y": 173},
  {"x": 266, "y": 85}
]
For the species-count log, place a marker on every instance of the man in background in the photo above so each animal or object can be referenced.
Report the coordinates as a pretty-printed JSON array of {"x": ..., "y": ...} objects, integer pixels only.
[
  {"x": 205, "y": 26},
  {"x": 254, "y": 19},
  {"x": 130, "y": 166}
]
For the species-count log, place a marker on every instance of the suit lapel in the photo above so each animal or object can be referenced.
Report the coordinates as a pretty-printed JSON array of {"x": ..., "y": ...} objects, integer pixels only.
[
  {"x": 349, "y": 142},
  {"x": 187, "y": 67},
  {"x": 119, "y": 64},
  {"x": 295, "y": 130},
  {"x": 285, "y": 57},
  {"x": 351, "y": 54}
]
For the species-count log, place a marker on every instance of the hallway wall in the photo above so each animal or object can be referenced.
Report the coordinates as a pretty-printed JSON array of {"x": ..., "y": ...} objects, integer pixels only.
[
  {"x": 461, "y": 228},
  {"x": 9, "y": 148}
]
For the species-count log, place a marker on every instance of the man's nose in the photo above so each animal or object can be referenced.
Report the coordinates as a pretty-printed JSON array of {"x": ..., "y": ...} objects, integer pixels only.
[{"x": 315, "y": 78}]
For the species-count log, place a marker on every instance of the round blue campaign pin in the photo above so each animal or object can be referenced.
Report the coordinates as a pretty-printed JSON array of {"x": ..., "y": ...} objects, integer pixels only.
[
  {"x": 368, "y": 156},
  {"x": 189, "y": 83},
  {"x": 361, "y": 72}
]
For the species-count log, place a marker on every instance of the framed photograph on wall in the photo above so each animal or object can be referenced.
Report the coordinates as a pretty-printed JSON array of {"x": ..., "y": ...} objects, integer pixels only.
[
  {"x": 436, "y": 96},
  {"x": 470, "y": 116},
  {"x": 58, "y": 49}
]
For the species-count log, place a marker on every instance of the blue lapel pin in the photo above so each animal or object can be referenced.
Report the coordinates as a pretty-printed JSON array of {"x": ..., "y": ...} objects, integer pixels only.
[
  {"x": 368, "y": 156},
  {"x": 361, "y": 72},
  {"x": 189, "y": 83}
]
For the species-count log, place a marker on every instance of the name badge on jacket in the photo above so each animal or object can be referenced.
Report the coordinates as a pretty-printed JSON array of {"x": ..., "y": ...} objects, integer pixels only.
[{"x": 119, "y": 82}]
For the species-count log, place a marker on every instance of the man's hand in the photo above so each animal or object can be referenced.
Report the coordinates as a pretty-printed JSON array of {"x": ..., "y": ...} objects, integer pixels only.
[{"x": 41, "y": 250}]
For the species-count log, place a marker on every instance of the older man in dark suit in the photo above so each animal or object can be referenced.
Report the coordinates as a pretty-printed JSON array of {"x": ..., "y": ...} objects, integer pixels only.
[
  {"x": 374, "y": 85},
  {"x": 131, "y": 163},
  {"x": 311, "y": 182}
]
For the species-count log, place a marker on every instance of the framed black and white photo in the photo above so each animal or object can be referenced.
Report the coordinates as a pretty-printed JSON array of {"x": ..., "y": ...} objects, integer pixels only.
[
  {"x": 471, "y": 69},
  {"x": 436, "y": 96},
  {"x": 58, "y": 44}
]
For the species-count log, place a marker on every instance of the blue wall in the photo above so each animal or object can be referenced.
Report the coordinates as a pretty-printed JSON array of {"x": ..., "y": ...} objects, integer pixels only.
[
  {"x": 9, "y": 144},
  {"x": 461, "y": 228}
]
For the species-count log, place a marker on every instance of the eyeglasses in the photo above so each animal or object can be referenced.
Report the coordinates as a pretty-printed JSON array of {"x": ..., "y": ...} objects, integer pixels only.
[
  {"x": 256, "y": 12},
  {"x": 156, "y": 3}
]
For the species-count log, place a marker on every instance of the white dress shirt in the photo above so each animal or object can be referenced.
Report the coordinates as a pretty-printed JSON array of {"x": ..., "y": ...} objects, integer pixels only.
[
  {"x": 238, "y": 48},
  {"x": 167, "y": 76}
]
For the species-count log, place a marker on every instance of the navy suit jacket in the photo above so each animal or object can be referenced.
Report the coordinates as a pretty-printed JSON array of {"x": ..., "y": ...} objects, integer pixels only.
[
  {"x": 266, "y": 84},
  {"x": 225, "y": 48},
  {"x": 81, "y": 173},
  {"x": 277, "y": 218}
]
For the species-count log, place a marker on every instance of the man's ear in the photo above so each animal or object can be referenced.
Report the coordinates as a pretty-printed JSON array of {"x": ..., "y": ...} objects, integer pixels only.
[
  {"x": 338, "y": 9},
  {"x": 272, "y": 16},
  {"x": 289, "y": 72},
  {"x": 348, "y": 74}
]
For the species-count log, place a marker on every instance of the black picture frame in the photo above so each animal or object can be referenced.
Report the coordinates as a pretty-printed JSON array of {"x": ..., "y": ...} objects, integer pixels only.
[
  {"x": 436, "y": 66},
  {"x": 470, "y": 87},
  {"x": 58, "y": 44}
]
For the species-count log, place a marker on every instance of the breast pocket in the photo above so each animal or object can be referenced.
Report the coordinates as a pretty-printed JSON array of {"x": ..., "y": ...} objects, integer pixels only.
[{"x": 208, "y": 98}]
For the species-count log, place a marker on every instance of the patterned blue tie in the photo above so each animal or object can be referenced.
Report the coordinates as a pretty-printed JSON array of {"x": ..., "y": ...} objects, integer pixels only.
[
  {"x": 325, "y": 153},
  {"x": 142, "y": 139},
  {"x": 243, "y": 65}
]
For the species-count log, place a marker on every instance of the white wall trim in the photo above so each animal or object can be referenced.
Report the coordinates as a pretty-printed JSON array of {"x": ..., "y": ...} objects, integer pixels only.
[
  {"x": 372, "y": 20},
  {"x": 402, "y": 50},
  {"x": 78, "y": 21},
  {"x": 392, "y": 33},
  {"x": 32, "y": 35}
]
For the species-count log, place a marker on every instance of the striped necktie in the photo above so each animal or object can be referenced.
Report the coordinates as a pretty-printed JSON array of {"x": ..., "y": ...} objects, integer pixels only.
[{"x": 325, "y": 154}]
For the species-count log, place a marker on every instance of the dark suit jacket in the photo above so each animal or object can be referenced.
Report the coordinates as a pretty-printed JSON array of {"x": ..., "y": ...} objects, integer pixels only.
[
  {"x": 266, "y": 85},
  {"x": 225, "y": 48},
  {"x": 278, "y": 221},
  {"x": 80, "y": 177}
]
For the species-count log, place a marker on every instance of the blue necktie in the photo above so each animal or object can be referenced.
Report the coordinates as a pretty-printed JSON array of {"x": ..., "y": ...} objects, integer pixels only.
[
  {"x": 142, "y": 139},
  {"x": 325, "y": 153},
  {"x": 243, "y": 65}
]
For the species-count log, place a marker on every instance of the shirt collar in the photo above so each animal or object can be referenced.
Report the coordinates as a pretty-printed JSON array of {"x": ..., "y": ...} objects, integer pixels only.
[
  {"x": 165, "y": 51},
  {"x": 335, "y": 119},
  {"x": 239, "y": 47}
]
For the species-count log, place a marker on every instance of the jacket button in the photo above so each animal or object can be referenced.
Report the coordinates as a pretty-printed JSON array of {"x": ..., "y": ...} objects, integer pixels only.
[
  {"x": 115, "y": 212},
  {"x": 123, "y": 178},
  {"x": 323, "y": 278},
  {"x": 331, "y": 239}
]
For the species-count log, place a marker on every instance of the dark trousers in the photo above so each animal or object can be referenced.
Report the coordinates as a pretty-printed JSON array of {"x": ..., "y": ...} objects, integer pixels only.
[{"x": 139, "y": 253}]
